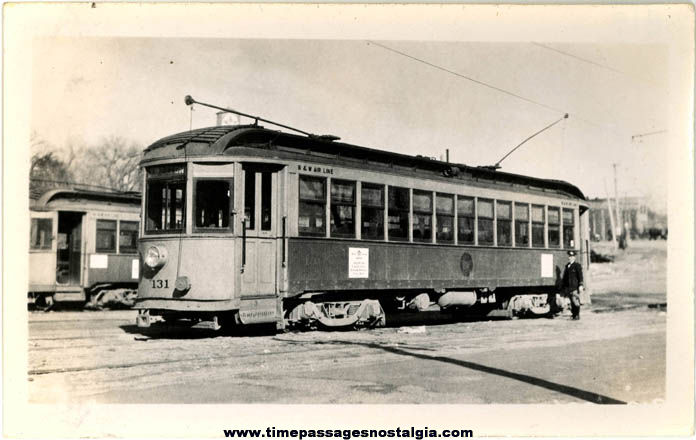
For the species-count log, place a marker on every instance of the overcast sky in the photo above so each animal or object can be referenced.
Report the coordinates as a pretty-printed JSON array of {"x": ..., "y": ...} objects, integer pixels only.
[{"x": 86, "y": 88}]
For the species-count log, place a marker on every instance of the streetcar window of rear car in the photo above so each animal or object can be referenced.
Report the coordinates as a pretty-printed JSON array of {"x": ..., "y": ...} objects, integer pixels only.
[
  {"x": 312, "y": 209},
  {"x": 521, "y": 224},
  {"x": 165, "y": 205},
  {"x": 538, "y": 220},
  {"x": 444, "y": 209},
  {"x": 128, "y": 237},
  {"x": 372, "y": 205},
  {"x": 422, "y": 216},
  {"x": 398, "y": 207},
  {"x": 554, "y": 227},
  {"x": 465, "y": 220},
  {"x": 41, "y": 233},
  {"x": 568, "y": 228},
  {"x": 503, "y": 223},
  {"x": 106, "y": 236},
  {"x": 212, "y": 204},
  {"x": 342, "y": 209},
  {"x": 484, "y": 211}
]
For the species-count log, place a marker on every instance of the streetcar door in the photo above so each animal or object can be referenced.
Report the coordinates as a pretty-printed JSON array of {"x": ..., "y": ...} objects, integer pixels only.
[
  {"x": 69, "y": 252},
  {"x": 260, "y": 230}
]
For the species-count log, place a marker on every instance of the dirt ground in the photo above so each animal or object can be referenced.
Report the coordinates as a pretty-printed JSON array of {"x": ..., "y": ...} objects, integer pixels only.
[{"x": 615, "y": 354}]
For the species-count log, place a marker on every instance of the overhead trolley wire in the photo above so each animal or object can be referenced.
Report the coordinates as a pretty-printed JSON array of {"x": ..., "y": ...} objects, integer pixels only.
[
  {"x": 468, "y": 78},
  {"x": 490, "y": 86}
]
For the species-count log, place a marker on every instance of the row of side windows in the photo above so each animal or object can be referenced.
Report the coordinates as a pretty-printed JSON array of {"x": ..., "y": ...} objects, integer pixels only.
[
  {"x": 479, "y": 221},
  {"x": 41, "y": 235}
]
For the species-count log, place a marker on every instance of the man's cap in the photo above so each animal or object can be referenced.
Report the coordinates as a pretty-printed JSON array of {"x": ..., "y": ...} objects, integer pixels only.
[{"x": 572, "y": 253}]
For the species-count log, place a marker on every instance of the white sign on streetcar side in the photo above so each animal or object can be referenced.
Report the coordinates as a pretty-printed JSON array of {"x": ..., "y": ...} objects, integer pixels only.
[
  {"x": 547, "y": 265},
  {"x": 358, "y": 262},
  {"x": 98, "y": 261}
]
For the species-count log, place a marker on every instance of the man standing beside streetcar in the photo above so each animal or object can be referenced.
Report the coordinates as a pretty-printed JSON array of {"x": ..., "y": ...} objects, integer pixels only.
[{"x": 572, "y": 283}]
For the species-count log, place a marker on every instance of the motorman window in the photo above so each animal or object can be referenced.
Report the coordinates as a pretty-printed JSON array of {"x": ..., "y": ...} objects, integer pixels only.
[
  {"x": 444, "y": 209},
  {"x": 554, "y": 227},
  {"x": 485, "y": 221},
  {"x": 212, "y": 205},
  {"x": 41, "y": 236},
  {"x": 422, "y": 216},
  {"x": 504, "y": 223},
  {"x": 342, "y": 209},
  {"x": 312, "y": 209},
  {"x": 568, "y": 228},
  {"x": 538, "y": 220},
  {"x": 398, "y": 208},
  {"x": 106, "y": 236},
  {"x": 465, "y": 220},
  {"x": 166, "y": 192},
  {"x": 128, "y": 237},
  {"x": 372, "y": 205},
  {"x": 521, "y": 224}
]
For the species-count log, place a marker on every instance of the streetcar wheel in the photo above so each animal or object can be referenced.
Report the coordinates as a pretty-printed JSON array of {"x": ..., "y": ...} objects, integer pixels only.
[{"x": 44, "y": 303}]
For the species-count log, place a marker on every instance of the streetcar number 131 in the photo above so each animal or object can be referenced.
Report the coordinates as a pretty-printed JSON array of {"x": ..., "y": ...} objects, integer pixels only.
[{"x": 160, "y": 284}]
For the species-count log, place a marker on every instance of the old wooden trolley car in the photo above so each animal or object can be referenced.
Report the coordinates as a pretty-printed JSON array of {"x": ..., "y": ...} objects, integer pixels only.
[
  {"x": 82, "y": 245},
  {"x": 250, "y": 225}
]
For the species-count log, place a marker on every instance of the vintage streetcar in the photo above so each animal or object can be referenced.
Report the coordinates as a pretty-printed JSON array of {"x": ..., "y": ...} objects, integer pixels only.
[
  {"x": 83, "y": 247},
  {"x": 243, "y": 225}
]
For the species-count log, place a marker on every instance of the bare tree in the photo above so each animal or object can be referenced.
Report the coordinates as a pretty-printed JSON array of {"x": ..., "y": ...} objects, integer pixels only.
[
  {"x": 47, "y": 170},
  {"x": 113, "y": 163}
]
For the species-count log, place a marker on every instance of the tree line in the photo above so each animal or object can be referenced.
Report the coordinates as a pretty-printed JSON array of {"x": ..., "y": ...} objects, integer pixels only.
[{"x": 111, "y": 163}]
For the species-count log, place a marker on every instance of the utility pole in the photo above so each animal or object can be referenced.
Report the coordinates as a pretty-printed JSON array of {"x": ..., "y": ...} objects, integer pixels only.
[{"x": 616, "y": 200}]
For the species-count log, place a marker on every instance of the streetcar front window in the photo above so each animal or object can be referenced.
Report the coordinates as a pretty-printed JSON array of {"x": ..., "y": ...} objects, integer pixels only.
[
  {"x": 165, "y": 205},
  {"x": 212, "y": 204}
]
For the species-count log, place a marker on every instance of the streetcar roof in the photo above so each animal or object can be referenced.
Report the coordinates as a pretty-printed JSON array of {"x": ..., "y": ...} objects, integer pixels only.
[
  {"x": 51, "y": 195},
  {"x": 221, "y": 139}
]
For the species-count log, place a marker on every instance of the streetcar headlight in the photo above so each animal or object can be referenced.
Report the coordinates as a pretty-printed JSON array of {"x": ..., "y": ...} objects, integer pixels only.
[{"x": 155, "y": 257}]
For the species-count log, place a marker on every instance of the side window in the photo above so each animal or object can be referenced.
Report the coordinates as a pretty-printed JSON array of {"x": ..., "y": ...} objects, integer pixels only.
[
  {"x": 128, "y": 237},
  {"x": 372, "y": 204},
  {"x": 521, "y": 224},
  {"x": 312, "y": 209},
  {"x": 568, "y": 228},
  {"x": 554, "y": 227},
  {"x": 422, "y": 216},
  {"x": 485, "y": 221},
  {"x": 342, "y": 209},
  {"x": 504, "y": 223},
  {"x": 398, "y": 206},
  {"x": 106, "y": 236},
  {"x": 444, "y": 209},
  {"x": 41, "y": 235},
  {"x": 165, "y": 205},
  {"x": 538, "y": 221},
  {"x": 212, "y": 204},
  {"x": 465, "y": 220}
]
